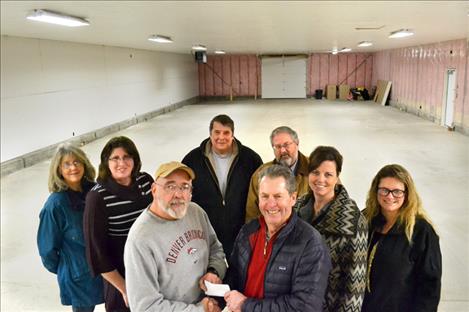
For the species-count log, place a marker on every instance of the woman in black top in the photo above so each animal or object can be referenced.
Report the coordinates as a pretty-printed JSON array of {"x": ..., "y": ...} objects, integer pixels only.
[
  {"x": 112, "y": 206},
  {"x": 404, "y": 258}
]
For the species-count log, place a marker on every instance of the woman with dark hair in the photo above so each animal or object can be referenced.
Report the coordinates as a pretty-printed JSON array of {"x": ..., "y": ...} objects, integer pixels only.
[
  {"x": 112, "y": 206},
  {"x": 404, "y": 258},
  {"x": 336, "y": 216},
  {"x": 60, "y": 235}
]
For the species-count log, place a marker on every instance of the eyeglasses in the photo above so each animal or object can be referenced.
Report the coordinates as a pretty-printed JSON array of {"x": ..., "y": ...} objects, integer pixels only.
[
  {"x": 278, "y": 147},
  {"x": 125, "y": 159},
  {"x": 395, "y": 193},
  {"x": 67, "y": 165},
  {"x": 170, "y": 189}
]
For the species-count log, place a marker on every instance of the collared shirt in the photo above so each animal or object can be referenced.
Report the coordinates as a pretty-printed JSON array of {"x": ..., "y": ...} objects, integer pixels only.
[{"x": 293, "y": 166}]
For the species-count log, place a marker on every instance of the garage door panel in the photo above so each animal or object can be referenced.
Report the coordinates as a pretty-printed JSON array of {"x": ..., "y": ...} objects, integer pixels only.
[{"x": 283, "y": 77}]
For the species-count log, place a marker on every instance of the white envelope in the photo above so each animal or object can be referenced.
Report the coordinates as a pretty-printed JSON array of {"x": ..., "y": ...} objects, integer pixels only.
[{"x": 217, "y": 290}]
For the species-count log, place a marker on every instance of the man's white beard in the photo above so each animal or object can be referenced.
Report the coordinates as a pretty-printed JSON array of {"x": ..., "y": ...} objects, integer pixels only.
[{"x": 171, "y": 212}]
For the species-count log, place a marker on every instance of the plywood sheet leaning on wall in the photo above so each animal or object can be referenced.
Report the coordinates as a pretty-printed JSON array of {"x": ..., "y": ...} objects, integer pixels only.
[
  {"x": 382, "y": 91},
  {"x": 344, "y": 91},
  {"x": 331, "y": 92}
]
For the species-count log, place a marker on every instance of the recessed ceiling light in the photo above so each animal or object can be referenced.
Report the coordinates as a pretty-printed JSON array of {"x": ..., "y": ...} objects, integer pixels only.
[
  {"x": 199, "y": 47},
  {"x": 57, "y": 18},
  {"x": 365, "y": 44},
  {"x": 345, "y": 50},
  {"x": 220, "y": 52},
  {"x": 401, "y": 33},
  {"x": 160, "y": 39}
]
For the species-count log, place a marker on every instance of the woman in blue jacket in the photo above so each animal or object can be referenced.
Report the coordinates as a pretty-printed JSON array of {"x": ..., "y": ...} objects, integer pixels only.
[{"x": 60, "y": 235}]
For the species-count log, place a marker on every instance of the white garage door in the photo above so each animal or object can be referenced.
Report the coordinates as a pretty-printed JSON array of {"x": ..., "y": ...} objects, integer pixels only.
[{"x": 283, "y": 77}]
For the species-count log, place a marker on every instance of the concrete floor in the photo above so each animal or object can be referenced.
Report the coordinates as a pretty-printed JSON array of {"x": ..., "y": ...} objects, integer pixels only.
[{"x": 368, "y": 136}]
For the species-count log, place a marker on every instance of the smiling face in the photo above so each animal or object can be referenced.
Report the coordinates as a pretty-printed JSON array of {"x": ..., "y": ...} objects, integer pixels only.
[
  {"x": 323, "y": 180},
  {"x": 285, "y": 149},
  {"x": 172, "y": 195},
  {"x": 390, "y": 204},
  {"x": 221, "y": 138},
  {"x": 275, "y": 203},
  {"x": 121, "y": 165},
  {"x": 72, "y": 171}
]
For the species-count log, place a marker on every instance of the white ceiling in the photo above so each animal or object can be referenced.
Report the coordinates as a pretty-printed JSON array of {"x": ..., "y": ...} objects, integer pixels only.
[{"x": 260, "y": 27}]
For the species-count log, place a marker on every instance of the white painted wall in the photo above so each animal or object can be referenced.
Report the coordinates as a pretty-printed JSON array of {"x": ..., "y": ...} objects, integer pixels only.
[{"x": 52, "y": 90}]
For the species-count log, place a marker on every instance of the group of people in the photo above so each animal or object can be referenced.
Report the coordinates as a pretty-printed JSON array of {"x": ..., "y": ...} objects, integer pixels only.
[{"x": 284, "y": 235}]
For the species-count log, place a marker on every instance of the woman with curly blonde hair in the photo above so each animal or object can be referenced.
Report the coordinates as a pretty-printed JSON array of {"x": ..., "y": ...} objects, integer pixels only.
[{"x": 404, "y": 258}]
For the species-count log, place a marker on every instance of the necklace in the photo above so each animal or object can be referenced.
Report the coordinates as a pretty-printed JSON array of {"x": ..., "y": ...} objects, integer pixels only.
[{"x": 371, "y": 257}]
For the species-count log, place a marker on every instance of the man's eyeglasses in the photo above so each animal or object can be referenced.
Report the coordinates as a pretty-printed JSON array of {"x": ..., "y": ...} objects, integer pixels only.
[
  {"x": 395, "y": 193},
  {"x": 125, "y": 159},
  {"x": 170, "y": 189},
  {"x": 67, "y": 165},
  {"x": 278, "y": 147}
]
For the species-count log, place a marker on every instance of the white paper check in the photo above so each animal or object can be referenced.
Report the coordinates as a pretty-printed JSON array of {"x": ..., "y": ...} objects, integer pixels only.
[{"x": 217, "y": 290}]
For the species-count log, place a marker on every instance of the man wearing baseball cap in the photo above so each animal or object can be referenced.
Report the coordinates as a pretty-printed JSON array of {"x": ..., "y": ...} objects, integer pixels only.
[{"x": 172, "y": 248}]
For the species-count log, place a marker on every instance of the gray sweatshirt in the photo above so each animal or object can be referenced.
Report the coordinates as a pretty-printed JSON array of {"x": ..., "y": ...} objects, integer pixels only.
[{"x": 164, "y": 261}]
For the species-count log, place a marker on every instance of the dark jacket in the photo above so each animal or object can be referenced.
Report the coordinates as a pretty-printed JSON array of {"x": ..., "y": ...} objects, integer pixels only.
[
  {"x": 404, "y": 277},
  {"x": 345, "y": 231},
  {"x": 62, "y": 249},
  {"x": 226, "y": 214},
  {"x": 296, "y": 275}
]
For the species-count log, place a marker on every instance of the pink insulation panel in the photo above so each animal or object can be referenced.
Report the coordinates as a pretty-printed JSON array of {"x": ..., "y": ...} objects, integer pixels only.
[
  {"x": 242, "y": 73},
  {"x": 418, "y": 75},
  {"x": 223, "y": 73}
]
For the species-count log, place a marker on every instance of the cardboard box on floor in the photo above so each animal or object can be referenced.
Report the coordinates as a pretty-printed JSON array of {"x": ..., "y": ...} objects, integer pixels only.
[
  {"x": 344, "y": 91},
  {"x": 331, "y": 92}
]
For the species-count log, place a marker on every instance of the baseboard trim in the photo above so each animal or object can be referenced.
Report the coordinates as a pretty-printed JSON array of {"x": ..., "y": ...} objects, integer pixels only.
[{"x": 29, "y": 159}]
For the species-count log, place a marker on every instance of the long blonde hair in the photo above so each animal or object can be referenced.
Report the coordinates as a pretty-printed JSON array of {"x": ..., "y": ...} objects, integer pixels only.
[
  {"x": 410, "y": 209},
  {"x": 56, "y": 181}
]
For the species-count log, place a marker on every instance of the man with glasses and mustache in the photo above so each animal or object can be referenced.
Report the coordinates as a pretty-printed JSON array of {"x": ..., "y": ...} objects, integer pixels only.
[
  {"x": 172, "y": 248},
  {"x": 285, "y": 142}
]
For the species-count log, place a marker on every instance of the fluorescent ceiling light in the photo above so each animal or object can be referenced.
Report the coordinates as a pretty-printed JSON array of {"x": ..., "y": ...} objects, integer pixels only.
[
  {"x": 160, "y": 39},
  {"x": 335, "y": 51},
  {"x": 199, "y": 47},
  {"x": 401, "y": 33},
  {"x": 365, "y": 44},
  {"x": 57, "y": 18},
  {"x": 219, "y": 52}
]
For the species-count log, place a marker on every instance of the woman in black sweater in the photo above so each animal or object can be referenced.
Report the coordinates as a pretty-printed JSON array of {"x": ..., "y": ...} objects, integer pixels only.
[
  {"x": 119, "y": 197},
  {"x": 404, "y": 258}
]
